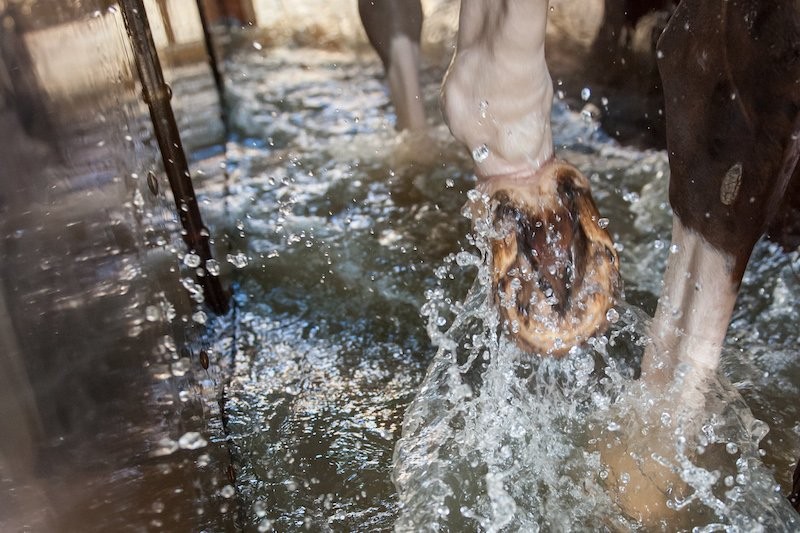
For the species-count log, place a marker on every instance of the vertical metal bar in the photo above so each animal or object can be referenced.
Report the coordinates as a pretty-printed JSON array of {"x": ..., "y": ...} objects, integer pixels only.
[
  {"x": 213, "y": 62},
  {"x": 216, "y": 71},
  {"x": 157, "y": 96},
  {"x": 163, "y": 10}
]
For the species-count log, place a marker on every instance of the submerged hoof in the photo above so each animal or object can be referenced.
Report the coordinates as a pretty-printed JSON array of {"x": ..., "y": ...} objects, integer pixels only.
[{"x": 555, "y": 272}]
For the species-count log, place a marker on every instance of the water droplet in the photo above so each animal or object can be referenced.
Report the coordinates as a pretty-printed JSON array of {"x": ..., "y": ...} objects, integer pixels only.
[
  {"x": 464, "y": 259},
  {"x": 238, "y": 260},
  {"x": 612, "y": 316},
  {"x": 603, "y": 223},
  {"x": 257, "y": 45},
  {"x": 138, "y": 199},
  {"x": 613, "y": 426},
  {"x": 212, "y": 267},
  {"x": 165, "y": 446},
  {"x": 731, "y": 448},
  {"x": 484, "y": 105},
  {"x": 480, "y": 153},
  {"x": 586, "y": 93},
  {"x": 152, "y": 183},
  {"x": 191, "y": 440},
  {"x": 168, "y": 310},
  {"x": 191, "y": 260},
  {"x": 260, "y": 509},
  {"x": 227, "y": 491},
  {"x": 152, "y": 313},
  {"x": 200, "y": 317},
  {"x": 180, "y": 367},
  {"x": 589, "y": 113}
]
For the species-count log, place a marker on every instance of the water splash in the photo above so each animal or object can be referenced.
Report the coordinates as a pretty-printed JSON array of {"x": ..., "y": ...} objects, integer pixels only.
[
  {"x": 319, "y": 161},
  {"x": 500, "y": 440}
]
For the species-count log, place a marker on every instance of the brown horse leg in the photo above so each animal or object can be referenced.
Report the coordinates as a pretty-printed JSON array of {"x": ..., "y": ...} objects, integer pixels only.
[
  {"x": 394, "y": 28},
  {"x": 733, "y": 117}
]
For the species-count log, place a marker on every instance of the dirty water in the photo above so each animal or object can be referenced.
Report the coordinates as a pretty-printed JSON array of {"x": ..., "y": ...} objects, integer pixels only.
[{"x": 355, "y": 306}]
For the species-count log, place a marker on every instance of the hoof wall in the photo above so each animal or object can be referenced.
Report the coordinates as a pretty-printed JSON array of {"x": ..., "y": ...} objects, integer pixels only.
[{"x": 555, "y": 271}]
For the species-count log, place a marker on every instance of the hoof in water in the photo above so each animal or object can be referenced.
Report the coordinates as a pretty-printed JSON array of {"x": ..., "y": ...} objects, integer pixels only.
[{"x": 555, "y": 272}]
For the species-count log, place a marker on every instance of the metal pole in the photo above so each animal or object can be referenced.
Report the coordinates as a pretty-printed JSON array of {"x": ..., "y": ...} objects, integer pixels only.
[
  {"x": 157, "y": 96},
  {"x": 213, "y": 62}
]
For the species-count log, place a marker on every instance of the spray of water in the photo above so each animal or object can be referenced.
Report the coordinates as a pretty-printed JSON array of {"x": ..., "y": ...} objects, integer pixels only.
[{"x": 500, "y": 440}]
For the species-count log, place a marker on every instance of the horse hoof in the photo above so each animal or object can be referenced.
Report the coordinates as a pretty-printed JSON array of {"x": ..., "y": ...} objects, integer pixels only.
[{"x": 555, "y": 272}]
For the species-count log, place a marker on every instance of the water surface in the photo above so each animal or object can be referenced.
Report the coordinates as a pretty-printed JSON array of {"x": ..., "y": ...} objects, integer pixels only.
[{"x": 354, "y": 262}]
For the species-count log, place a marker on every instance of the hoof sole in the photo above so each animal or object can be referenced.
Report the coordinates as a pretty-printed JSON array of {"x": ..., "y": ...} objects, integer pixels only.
[{"x": 555, "y": 271}]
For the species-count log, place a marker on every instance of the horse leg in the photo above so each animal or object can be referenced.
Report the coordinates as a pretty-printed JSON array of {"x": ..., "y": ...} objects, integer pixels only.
[
  {"x": 733, "y": 121},
  {"x": 729, "y": 74},
  {"x": 394, "y": 28},
  {"x": 554, "y": 267}
]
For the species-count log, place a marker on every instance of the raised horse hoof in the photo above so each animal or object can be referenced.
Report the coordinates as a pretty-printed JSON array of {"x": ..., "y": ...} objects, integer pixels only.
[{"x": 555, "y": 272}]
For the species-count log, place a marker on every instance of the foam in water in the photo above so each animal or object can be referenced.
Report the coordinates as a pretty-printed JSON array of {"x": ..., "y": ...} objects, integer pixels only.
[{"x": 499, "y": 440}]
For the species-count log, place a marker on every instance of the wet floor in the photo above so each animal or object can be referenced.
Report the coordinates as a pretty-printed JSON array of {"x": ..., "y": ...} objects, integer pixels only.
[{"x": 340, "y": 231}]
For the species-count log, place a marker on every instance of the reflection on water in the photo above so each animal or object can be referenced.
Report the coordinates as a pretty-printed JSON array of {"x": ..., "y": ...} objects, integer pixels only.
[{"x": 339, "y": 239}]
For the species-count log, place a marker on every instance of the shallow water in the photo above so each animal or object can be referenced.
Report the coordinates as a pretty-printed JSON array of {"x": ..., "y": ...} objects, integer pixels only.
[{"x": 352, "y": 273}]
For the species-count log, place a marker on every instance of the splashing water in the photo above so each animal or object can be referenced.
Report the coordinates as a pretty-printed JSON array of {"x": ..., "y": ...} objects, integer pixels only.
[
  {"x": 499, "y": 440},
  {"x": 328, "y": 349}
]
